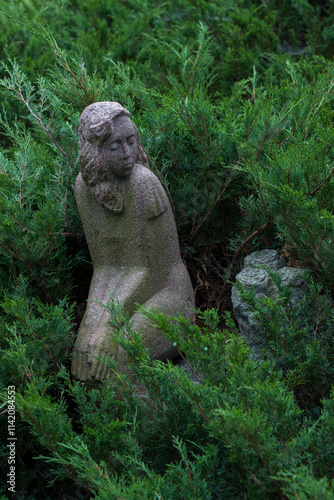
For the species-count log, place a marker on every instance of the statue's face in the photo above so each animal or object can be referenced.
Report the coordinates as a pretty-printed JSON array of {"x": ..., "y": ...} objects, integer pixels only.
[{"x": 120, "y": 150}]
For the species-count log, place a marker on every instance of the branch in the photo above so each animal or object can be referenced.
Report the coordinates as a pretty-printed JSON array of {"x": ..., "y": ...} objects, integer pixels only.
[
  {"x": 306, "y": 115},
  {"x": 247, "y": 240},
  {"x": 41, "y": 124},
  {"x": 315, "y": 190}
]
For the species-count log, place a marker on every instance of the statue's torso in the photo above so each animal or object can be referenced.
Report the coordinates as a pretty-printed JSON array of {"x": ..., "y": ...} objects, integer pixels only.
[
  {"x": 143, "y": 237},
  {"x": 111, "y": 237}
]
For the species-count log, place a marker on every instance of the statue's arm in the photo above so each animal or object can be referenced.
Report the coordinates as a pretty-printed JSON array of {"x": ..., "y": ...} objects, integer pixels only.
[
  {"x": 160, "y": 239},
  {"x": 133, "y": 287}
]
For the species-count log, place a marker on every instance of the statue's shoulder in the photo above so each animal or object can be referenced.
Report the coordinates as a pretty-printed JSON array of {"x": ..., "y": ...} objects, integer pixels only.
[
  {"x": 152, "y": 195},
  {"x": 143, "y": 175}
]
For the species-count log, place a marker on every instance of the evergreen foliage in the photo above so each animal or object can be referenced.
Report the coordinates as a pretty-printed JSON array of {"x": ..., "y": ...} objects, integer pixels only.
[{"x": 234, "y": 104}]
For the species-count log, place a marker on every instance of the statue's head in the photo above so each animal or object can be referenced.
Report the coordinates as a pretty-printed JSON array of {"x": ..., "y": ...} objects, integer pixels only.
[
  {"x": 110, "y": 146},
  {"x": 109, "y": 142}
]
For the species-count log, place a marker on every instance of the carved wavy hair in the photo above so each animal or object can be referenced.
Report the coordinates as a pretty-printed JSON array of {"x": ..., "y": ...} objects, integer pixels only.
[{"x": 95, "y": 127}]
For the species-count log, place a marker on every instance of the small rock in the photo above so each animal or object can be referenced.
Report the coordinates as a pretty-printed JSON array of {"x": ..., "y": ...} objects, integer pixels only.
[{"x": 259, "y": 280}]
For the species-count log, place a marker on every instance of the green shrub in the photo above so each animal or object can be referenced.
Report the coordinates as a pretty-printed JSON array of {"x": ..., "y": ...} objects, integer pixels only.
[{"x": 234, "y": 426}]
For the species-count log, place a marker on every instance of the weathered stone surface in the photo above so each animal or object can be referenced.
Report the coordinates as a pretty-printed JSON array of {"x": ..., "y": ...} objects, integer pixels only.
[
  {"x": 265, "y": 257},
  {"x": 263, "y": 286},
  {"x": 132, "y": 240}
]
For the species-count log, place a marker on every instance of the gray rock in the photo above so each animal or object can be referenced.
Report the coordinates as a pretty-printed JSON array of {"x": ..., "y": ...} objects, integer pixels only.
[
  {"x": 132, "y": 240},
  {"x": 259, "y": 280},
  {"x": 266, "y": 257},
  {"x": 294, "y": 278}
]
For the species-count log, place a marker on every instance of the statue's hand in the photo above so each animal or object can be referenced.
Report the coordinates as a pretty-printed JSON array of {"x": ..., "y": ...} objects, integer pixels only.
[
  {"x": 88, "y": 354},
  {"x": 100, "y": 347},
  {"x": 92, "y": 342}
]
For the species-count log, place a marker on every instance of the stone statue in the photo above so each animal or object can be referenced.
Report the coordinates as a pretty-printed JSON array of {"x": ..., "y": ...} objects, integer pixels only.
[{"x": 132, "y": 240}]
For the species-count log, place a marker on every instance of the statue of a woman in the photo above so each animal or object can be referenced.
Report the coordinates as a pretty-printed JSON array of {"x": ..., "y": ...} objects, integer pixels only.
[{"x": 132, "y": 240}]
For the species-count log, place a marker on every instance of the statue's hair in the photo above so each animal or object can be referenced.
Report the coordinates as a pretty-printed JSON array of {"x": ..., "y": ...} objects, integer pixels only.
[{"x": 95, "y": 127}]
